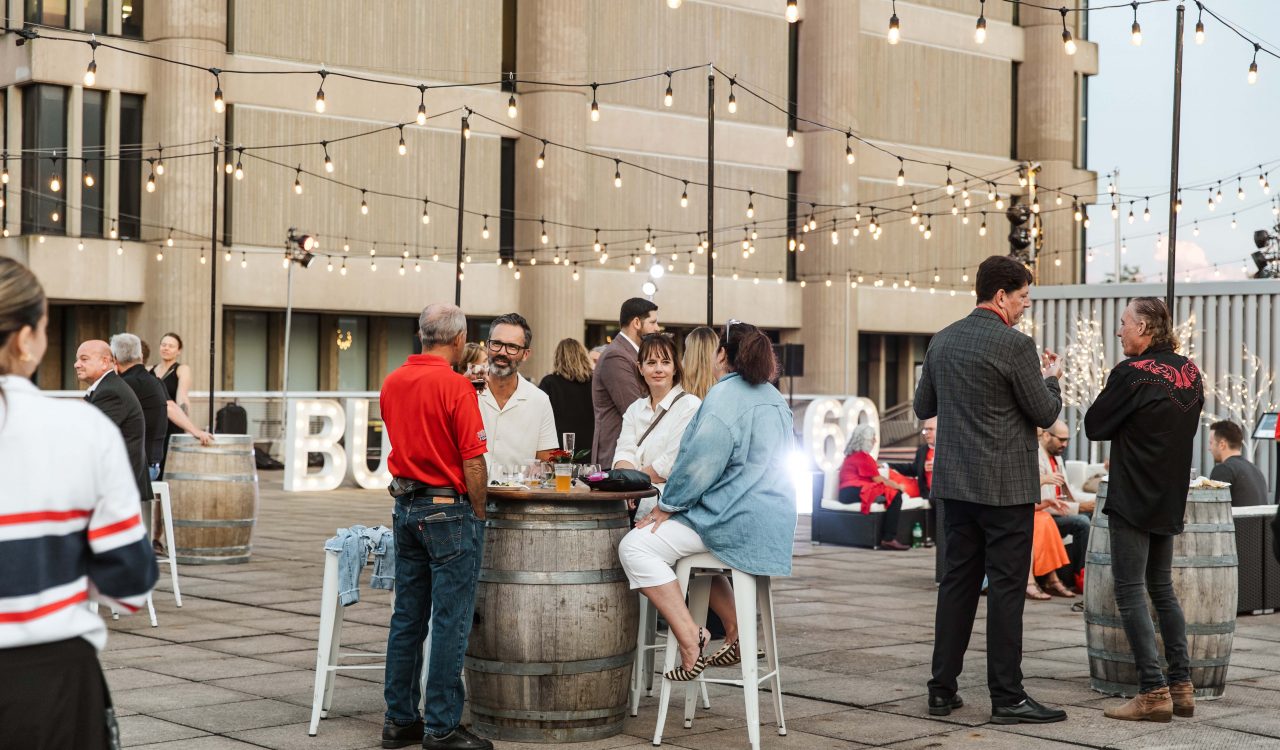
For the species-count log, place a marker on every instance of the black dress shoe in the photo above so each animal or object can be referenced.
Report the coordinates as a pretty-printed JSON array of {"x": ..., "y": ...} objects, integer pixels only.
[
  {"x": 394, "y": 735},
  {"x": 1026, "y": 712},
  {"x": 942, "y": 706},
  {"x": 458, "y": 739}
]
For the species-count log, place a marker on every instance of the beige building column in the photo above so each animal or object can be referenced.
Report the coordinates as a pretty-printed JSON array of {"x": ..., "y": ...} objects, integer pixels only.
[
  {"x": 181, "y": 111},
  {"x": 551, "y": 35},
  {"x": 1047, "y": 129},
  {"x": 829, "y": 44}
]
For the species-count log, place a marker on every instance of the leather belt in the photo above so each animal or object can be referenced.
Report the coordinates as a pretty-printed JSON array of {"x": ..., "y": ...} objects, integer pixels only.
[{"x": 438, "y": 495}]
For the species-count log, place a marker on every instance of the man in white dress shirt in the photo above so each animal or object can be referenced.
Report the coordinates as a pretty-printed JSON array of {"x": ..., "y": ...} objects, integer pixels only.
[{"x": 518, "y": 420}]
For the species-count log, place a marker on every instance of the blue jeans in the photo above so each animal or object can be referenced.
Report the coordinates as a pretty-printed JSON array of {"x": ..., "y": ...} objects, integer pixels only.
[
  {"x": 438, "y": 553},
  {"x": 1142, "y": 563}
]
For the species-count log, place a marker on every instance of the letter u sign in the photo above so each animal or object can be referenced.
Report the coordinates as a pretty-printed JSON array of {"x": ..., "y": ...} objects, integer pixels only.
[{"x": 341, "y": 457}]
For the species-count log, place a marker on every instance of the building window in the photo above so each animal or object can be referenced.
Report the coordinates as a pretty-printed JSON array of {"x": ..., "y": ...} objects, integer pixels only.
[
  {"x": 1013, "y": 110},
  {"x": 44, "y": 146},
  {"x": 507, "y": 201},
  {"x": 793, "y": 74},
  {"x": 793, "y": 229},
  {"x": 508, "y": 42},
  {"x": 131, "y": 18},
  {"x": 47, "y": 12},
  {"x": 95, "y": 16},
  {"x": 93, "y": 144},
  {"x": 1082, "y": 121},
  {"x": 130, "y": 179}
]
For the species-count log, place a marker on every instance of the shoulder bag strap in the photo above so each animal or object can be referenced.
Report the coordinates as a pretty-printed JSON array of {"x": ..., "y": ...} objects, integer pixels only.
[{"x": 658, "y": 418}]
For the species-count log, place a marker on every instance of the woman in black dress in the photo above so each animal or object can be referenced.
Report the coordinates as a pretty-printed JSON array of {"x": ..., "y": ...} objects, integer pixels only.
[
  {"x": 176, "y": 378},
  {"x": 569, "y": 388}
]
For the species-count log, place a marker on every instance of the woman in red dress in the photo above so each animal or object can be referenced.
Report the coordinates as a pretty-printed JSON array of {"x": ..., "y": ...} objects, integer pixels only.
[{"x": 860, "y": 482}]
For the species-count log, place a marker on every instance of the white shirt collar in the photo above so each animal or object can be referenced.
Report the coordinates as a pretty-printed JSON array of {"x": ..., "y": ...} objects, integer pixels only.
[
  {"x": 98, "y": 382},
  {"x": 521, "y": 393},
  {"x": 665, "y": 403},
  {"x": 627, "y": 338},
  {"x": 17, "y": 383}
]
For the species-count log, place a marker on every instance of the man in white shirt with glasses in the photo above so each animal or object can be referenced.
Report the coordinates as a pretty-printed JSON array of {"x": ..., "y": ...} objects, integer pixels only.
[{"x": 518, "y": 419}]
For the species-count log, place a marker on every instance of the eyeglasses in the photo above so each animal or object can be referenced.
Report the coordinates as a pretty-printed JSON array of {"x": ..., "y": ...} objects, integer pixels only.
[{"x": 502, "y": 346}]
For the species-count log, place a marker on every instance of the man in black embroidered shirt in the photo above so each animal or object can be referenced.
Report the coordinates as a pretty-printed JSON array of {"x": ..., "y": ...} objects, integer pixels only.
[{"x": 1149, "y": 410}]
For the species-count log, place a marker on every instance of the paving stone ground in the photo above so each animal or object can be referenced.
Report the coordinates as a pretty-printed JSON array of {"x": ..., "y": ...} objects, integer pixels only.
[{"x": 233, "y": 668}]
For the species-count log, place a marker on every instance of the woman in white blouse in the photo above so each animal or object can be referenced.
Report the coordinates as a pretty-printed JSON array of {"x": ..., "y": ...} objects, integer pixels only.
[{"x": 653, "y": 425}]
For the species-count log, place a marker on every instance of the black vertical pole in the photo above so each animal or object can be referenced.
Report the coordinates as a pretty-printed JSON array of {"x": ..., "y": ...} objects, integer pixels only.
[
  {"x": 213, "y": 286},
  {"x": 462, "y": 214},
  {"x": 711, "y": 196},
  {"x": 1173, "y": 161}
]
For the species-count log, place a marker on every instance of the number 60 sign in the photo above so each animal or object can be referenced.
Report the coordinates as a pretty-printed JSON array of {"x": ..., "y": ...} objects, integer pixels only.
[{"x": 828, "y": 423}]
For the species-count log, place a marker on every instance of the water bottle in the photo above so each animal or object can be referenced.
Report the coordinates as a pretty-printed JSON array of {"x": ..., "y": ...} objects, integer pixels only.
[{"x": 917, "y": 535}]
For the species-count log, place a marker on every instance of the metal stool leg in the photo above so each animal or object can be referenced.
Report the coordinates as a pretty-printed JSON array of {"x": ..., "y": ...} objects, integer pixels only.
[
  {"x": 699, "y": 598},
  {"x": 765, "y": 603},
  {"x": 642, "y": 656},
  {"x": 161, "y": 490},
  {"x": 324, "y": 643},
  {"x": 670, "y": 654},
  {"x": 744, "y": 596}
]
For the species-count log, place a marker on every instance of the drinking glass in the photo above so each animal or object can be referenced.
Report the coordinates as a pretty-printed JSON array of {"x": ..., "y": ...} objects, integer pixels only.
[
  {"x": 567, "y": 442},
  {"x": 564, "y": 477}
]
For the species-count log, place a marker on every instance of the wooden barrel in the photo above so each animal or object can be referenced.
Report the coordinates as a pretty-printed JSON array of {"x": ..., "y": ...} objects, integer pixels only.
[
  {"x": 214, "y": 491},
  {"x": 1204, "y": 578},
  {"x": 549, "y": 658}
]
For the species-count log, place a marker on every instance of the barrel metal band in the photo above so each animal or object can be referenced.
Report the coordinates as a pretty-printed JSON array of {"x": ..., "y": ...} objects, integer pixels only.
[
  {"x": 198, "y": 551},
  {"x": 1200, "y": 561},
  {"x": 542, "y": 669},
  {"x": 612, "y": 523},
  {"x": 212, "y": 451},
  {"x": 1190, "y": 528},
  {"x": 1193, "y": 628},
  {"x": 608, "y": 575},
  {"x": 580, "y": 715},
  {"x": 1097, "y": 653},
  {"x": 220, "y": 524},
  {"x": 171, "y": 476},
  {"x": 548, "y": 735}
]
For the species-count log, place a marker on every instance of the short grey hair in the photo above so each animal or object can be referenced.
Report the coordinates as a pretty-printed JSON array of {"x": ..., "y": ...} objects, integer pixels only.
[
  {"x": 440, "y": 324},
  {"x": 126, "y": 348},
  {"x": 863, "y": 438}
]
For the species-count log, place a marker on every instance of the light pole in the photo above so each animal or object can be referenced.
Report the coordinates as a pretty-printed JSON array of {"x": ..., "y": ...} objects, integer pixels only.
[{"x": 298, "y": 249}]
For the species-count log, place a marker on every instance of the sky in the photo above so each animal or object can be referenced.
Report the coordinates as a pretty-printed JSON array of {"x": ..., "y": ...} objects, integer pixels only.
[{"x": 1228, "y": 128}]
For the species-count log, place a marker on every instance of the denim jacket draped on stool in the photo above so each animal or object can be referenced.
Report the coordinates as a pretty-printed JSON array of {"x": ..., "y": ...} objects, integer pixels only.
[
  {"x": 353, "y": 546},
  {"x": 730, "y": 482}
]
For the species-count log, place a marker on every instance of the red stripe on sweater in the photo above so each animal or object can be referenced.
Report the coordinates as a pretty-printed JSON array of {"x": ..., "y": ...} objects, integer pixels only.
[
  {"x": 46, "y": 515},
  {"x": 114, "y": 528},
  {"x": 32, "y": 614}
]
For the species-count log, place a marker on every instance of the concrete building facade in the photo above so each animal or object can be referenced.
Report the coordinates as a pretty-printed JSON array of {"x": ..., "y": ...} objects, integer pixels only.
[{"x": 863, "y": 308}]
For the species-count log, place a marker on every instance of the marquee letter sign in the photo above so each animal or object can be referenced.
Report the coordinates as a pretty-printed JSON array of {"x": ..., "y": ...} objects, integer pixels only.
[
  {"x": 358, "y": 447},
  {"x": 828, "y": 423},
  {"x": 299, "y": 440}
]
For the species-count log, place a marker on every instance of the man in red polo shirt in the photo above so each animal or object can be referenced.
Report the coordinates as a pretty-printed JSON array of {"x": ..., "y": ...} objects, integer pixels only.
[{"x": 437, "y": 458}]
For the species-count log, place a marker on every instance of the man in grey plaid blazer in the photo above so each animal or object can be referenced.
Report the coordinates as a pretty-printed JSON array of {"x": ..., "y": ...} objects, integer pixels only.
[{"x": 989, "y": 390}]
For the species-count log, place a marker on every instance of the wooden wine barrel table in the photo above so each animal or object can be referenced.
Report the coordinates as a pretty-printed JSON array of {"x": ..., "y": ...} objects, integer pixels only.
[
  {"x": 549, "y": 658},
  {"x": 214, "y": 491},
  {"x": 1204, "y": 578}
]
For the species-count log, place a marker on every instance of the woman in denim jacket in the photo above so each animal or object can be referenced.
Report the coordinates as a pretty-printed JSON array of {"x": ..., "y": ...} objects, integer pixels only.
[{"x": 729, "y": 493}]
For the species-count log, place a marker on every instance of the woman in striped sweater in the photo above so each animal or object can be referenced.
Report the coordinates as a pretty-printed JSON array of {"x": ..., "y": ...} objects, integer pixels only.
[{"x": 70, "y": 532}]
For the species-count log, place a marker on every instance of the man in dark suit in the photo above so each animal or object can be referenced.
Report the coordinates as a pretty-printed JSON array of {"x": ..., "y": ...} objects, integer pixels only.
[
  {"x": 616, "y": 382},
  {"x": 127, "y": 350},
  {"x": 989, "y": 390},
  {"x": 95, "y": 367}
]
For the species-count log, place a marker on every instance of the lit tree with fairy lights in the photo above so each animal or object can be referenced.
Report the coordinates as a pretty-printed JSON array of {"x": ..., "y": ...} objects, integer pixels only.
[{"x": 1243, "y": 398}]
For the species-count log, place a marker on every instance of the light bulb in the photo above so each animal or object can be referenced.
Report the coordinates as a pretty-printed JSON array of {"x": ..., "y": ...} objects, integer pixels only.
[
  {"x": 239, "y": 173},
  {"x": 297, "y": 185},
  {"x": 1136, "y": 34},
  {"x": 320, "y": 101},
  {"x": 219, "y": 106},
  {"x": 466, "y": 129},
  {"x": 791, "y": 138},
  {"x": 848, "y": 153},
  {"x": 88, "y": 180},
  {"x": 422, "y": 114},
  {"x": 91, "y": 73},
  {"x": 511, "y": 107},
  {"x": 1199, "y": 32},
  {"x": 151, "y": 183},
  {"x": 793, "y": 12},
  {"x": 668, "y": 98},
  {"x": 328, "y": 164},
  {"x": 684, "y": 198},
  {"x": 617, "y": 176},
  {"x": 1253, "y": 72},
  {"x": 402, "y": 148},
  {"x": 673, "y": 4},
  {"x": 733, "y": 101},
  {"x": 982, "y": 230},
  {"x": 1068, "y": 43},
  {"x": 595, "y": 105},
  {"x": 55, "y": 184},
  {"x": 364, "y": 208},
  {"x": 980, "y": 31},
  {"x": 895, "y": 33},
  {"x": 902, "y": 177},
  {"x": 484, "y": 231},
  {"x": 426, "y": 215}
]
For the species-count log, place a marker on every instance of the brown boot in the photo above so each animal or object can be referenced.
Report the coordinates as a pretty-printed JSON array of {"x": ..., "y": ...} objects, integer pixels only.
[
  {"x": 1184, "y": 698},
  {"x": 1155, "y": 705}
]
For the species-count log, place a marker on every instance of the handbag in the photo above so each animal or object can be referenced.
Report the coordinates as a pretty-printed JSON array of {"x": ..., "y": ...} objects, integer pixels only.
[{"x": 619, "y": 480}]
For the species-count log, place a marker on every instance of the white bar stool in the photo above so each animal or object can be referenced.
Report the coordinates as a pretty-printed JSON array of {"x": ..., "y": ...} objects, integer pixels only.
[
  {"x": 646, "y": 647},
  {"x": 330, "y": 642},
  {"x": 160, "y": 492},
  {"x": 752, "y": 595}
]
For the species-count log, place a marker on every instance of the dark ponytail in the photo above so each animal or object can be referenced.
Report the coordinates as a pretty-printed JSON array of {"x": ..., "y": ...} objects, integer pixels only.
[{"x": 750, "y": 353}]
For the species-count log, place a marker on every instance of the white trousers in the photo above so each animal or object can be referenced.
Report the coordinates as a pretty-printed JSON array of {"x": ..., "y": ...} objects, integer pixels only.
[{"x": 649, "y": 556}]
